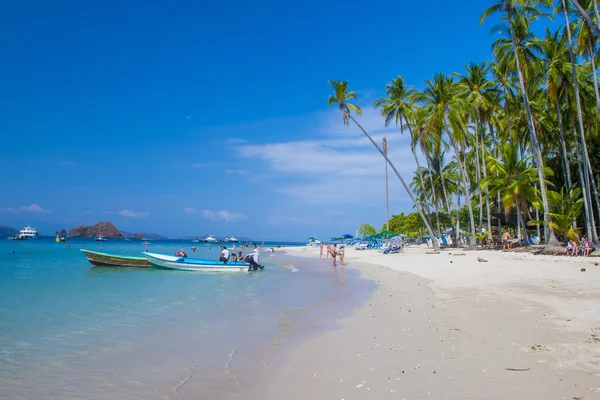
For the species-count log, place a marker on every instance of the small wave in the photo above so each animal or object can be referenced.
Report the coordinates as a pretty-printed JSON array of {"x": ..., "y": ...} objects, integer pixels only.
[{"x": 291, "y": 268}]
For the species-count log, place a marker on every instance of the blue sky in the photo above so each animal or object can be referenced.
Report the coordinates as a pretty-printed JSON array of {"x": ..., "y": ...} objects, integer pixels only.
[{"x": 186, "y": 118}]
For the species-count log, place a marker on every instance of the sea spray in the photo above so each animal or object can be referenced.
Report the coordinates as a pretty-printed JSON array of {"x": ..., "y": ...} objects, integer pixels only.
[{"x": 291, "y": 268}]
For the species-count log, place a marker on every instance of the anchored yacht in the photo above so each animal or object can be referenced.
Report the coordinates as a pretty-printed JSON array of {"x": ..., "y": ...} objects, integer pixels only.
[
  {"x": 27, "y": 233},
  {"x": 209, "y": 239}
]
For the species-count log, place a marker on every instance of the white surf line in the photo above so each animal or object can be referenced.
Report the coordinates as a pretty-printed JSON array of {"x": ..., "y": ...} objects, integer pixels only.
[
  {"x": 236, "y": 384},
  {"x": 183, "y": 382}
]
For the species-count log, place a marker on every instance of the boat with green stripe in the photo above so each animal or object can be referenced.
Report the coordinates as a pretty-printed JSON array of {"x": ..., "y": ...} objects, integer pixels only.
[{"x": 100, "y": 259}]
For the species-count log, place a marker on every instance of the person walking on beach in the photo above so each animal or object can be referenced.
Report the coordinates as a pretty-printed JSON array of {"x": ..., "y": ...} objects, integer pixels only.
[
  {"x": 332, "y": 252},
  {"x": 321, "y": 246},
  {"x": 505, "y": 240},
  {"x": 341, "y": 251},
  {"x": 328, "y": 250}
]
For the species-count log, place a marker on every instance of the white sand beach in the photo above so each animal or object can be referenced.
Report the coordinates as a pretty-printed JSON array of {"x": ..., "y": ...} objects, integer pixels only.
[{"x": 446, "y": 326}]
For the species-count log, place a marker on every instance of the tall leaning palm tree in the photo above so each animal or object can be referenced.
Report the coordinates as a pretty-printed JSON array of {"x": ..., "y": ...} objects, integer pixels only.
[
  {"x": 518, "y": 11},
  {"x": 342, "y": 96}
]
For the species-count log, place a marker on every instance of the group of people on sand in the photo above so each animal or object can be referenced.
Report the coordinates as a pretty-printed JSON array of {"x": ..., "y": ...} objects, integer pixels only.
[
  {"x": 584, "y": 248},
  {"x": 252, "y": 258},
  {"x": 333, "y": 250}
]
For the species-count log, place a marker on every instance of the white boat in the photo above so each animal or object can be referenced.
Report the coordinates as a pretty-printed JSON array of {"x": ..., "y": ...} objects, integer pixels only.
[
  {"x": 209, "y": 239},
  {"x": 100, "y": 238},
  {"x": 194, "y": 264},
  {"x": 231, "y": 239},
  {"x": 27, "y": 233}
]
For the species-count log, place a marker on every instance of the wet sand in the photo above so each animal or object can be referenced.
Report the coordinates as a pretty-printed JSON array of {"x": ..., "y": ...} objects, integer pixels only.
[{"x": 447, "y": 326}]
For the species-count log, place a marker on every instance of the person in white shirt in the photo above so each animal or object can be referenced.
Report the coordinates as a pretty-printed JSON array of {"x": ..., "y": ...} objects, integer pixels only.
[
  {"x": 224, "y": 255},
  {"x": 253, "y": 259}
]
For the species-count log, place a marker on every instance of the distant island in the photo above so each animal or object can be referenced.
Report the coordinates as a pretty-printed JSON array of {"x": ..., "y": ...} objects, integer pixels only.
[
  {"x": 6, "y": 231},
  {"x": 106, "y": 229},
  {"x": 151, "y": 236}
]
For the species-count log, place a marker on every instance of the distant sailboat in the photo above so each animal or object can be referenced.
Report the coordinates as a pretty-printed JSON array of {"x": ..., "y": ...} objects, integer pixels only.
[{"x": 100, "y": 238}]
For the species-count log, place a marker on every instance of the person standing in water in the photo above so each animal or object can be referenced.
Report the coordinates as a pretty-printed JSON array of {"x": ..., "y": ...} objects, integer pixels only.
[
  {"x": 321, "y": 246},
  {"x": 332, "y": 252}
]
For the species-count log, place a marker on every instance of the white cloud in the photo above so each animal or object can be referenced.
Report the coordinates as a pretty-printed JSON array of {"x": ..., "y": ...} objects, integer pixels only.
[
  {"x": 342, "y": 167},
  {"x": 133, "y": 214},
  {"x": 222, "y": 215},
  {"x": 33, "y": 209},
  {"x": 190, "y": 211}
]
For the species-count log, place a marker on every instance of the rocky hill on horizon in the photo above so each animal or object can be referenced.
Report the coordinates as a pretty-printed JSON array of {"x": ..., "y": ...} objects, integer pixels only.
[
  {"x": 6, "y": 231},
  {"x": 106, "y": 229},
  {"x": 151, "y": 236}
]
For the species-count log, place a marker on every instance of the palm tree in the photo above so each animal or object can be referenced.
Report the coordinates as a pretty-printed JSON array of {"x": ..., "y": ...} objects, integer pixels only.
[
  {"x": 565, "y": 209},
  {"x": 590, "y": 225},
  {"x": 553, "y": 50},
  {"x": 586, "y": 17},
  {"x": 516, "y": 12},
  {"x": 443, "y": 114},
  {"x": 398, "y": 108},
  {"x": 342, "y": 97},
  {"x": 480, "y": 93},
  {"x": 514, "y": 178}
]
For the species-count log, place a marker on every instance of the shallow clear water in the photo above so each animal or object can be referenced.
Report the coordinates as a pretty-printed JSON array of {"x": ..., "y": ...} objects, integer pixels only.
[{"x": 70, "y": 330}]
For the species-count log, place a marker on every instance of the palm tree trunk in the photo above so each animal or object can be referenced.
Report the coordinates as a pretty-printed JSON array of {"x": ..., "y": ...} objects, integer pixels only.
[
  {"x": 548, "y": 233},
  {"x": 458, "y": 216},
  {"x": 521, "y": 222},
  {"x": 435, "y": 204},
  {"x": 393, "y": 167},
  {"x": 387, "y": 201},
  {"x": 412, "y": 149},
  {"x": 478, "y": 172},
  {"x": 487, "y": 198},
  {"x": 563, "y": 146},
  {"x": 583, "y": 185},
  {"x": 537, "y": 218},
  {"x": 586, "y": 17},
  {"x": 590, "y": 226},
  {"x": 463, "y": 174},
  {"x": 432, "y": 186},
  {"x": 445, "y": 193}
]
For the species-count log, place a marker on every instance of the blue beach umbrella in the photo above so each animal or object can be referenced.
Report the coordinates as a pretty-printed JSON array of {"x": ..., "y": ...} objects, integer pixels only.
[{"x": 347, "y": 236}]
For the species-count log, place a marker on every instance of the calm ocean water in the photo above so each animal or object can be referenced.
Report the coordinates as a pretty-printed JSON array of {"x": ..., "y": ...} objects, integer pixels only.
[{"x": 70, "y": 330}]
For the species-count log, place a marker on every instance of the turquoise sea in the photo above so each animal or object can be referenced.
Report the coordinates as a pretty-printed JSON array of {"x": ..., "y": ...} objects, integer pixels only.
[{"x": 70, "y": 330}]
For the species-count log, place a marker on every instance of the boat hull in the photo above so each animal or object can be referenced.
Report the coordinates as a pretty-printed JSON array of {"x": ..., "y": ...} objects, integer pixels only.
[
  {"x": 114, "y": 260},
  {"x": 191, "y": 264}
]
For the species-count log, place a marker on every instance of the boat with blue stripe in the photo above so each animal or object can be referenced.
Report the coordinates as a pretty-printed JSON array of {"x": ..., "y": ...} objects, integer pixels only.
[{"x": 194, "y": 264}]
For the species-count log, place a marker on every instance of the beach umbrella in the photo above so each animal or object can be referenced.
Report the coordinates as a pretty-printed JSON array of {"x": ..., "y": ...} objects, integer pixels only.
[
  {"x": 312, "y": 239},
  {"x": 347, "y": 236},
  {"x": 386, "y": 233}
]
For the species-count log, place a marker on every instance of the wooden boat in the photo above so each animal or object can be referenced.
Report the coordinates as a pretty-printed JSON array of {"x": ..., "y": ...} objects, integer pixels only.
[
  {"x": 114, "y": 260},
  {"x": 194, "y": 264}
]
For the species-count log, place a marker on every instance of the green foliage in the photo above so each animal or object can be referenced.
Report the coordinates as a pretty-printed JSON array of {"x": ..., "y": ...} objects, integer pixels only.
[
  {"x": 366, "y": 229},
  {"x": 411, "y": 225},
  {"x": 565, "y": 208}
]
